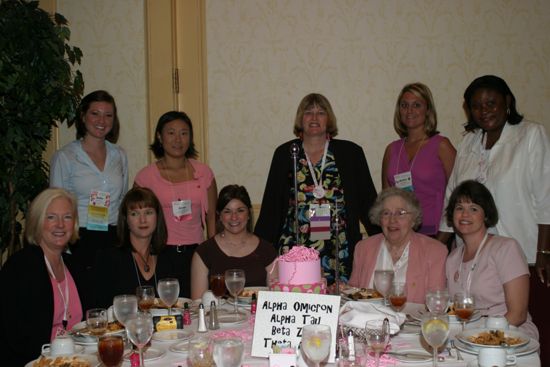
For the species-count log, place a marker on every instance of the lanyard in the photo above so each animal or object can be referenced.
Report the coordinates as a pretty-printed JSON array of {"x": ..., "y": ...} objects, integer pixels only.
[
  {"x": 483, "y": 166},
  {"x": 414, "y": 158},
  {"x": 403, "y": 260},
  {"x": 323, "y": 161},
  {"x": 64, "y": 297},
  {"x": 474, "y": 263}
]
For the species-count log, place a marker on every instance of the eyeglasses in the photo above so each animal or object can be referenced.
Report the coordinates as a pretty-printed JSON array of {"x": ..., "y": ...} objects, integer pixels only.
[{"x": 398, "y": 214}]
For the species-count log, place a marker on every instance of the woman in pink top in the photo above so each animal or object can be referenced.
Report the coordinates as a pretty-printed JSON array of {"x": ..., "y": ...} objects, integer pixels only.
[
  {"x": 421, "y": 160},
  {"x": 416, "y": 259},
  {"x": 186, "y": 189},
  {"x": 491, "y": 268},
  {"x": 40, "y": 296}
]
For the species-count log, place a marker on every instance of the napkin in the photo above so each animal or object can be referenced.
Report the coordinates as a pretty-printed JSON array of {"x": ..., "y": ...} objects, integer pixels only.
[{"x": 356, "y": 314}]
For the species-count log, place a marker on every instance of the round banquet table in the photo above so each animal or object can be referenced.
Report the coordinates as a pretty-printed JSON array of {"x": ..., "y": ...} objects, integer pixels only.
[{"x": 399, "y": 341}]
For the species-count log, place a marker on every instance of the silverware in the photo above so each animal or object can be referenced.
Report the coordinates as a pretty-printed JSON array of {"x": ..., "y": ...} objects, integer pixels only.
[
  {"x": 458, "y": 355},
  {"x": 410, "y": 355}
]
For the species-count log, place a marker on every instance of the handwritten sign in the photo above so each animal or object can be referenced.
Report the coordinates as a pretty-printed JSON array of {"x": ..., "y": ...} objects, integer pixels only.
[{"x": 280, "y": 317}]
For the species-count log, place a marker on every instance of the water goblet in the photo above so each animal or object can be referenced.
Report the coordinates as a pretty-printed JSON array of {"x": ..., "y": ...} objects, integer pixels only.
[
  {"x": 169, "y": 290},
  {"x": 139, "y": 328},
  {"x": 146, "y": 297},
  {"x": 96, "y": 321},
  {"x": 382, "y": 282},
  {"x": 228, "y": 352},
  {"x": 235, "y": 281},
  {"x": 200, "y": 352},
  {"x": 464, "y": 304},
  {"x": 398, "y": 296},
  {"x": 316, "y": 342},
  {"x": 435, "y": 329},
  {"x": 217, "y": 286},
  {"x": 124, "y": 306},
  {"x": 437, "y": 300},
  {"x": 110, "y": 349},
  {"x": 377, "y": 335}
]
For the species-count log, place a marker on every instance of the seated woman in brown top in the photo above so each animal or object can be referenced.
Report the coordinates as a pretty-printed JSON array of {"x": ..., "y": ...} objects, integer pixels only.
[{"x": 234, "y": 246}]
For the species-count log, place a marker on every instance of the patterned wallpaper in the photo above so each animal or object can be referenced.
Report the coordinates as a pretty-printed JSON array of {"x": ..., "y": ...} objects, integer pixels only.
[
  {"x": 265, "y": 55},
  {"x": 111, "y": 35}
]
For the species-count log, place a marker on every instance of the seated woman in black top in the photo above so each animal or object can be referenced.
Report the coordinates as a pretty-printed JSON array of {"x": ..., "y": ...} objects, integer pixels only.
[
  {"x": 234, "y": 246},
  {"x": 139, "y": 258}
]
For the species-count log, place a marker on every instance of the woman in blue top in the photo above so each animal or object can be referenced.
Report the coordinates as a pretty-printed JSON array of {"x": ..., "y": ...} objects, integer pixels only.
[{"x": 95, "y": 170}]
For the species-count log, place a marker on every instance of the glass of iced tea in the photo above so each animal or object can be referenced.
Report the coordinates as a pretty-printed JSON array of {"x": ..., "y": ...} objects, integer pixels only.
[
  {"x": 217, "y": 285},
  {"x": 464, "y": 307},
  {"x": 398, "y": 295},
  {"x": 110, "y": 349},
  {"x": 146, "y": 297}
]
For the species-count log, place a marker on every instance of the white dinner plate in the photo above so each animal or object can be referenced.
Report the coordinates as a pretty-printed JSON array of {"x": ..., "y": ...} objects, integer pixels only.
[
  {"x": 150, "y": 354},
  {"x": 180, "y": 347},
  {"x": 78, "y": 349},
  {"x": 229, "y": 318},
  {"x": 531, "y": 347},
  {"x": 400, "y": 356},
  {"x": 90, "y": 358},
  {"x": 464, "y": 335},
  {"x": 347, "y": 292},
  {"x": 172, "y": 335},
  {"x": 418, "y": 313},
  {"x": 249, "y": 290},
  {"x": 84, "y": 338}
]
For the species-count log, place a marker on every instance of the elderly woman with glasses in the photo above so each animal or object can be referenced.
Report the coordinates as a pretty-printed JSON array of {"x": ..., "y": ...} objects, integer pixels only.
[{"x": 416, "y": 259}]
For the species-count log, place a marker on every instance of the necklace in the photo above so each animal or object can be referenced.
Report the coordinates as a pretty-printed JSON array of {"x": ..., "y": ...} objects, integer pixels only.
[
  {"x": 146, "y": 266},
  {"x": 138, "y": 276},
  {"x": 234, "y": 244},
  {"x": 64, "y": 296}
]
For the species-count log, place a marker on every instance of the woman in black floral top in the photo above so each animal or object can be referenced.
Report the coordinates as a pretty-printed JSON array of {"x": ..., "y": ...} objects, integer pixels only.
[{"x": 334, "y": 182}]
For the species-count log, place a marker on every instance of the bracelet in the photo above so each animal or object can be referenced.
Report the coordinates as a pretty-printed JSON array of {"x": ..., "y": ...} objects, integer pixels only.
[{"x": 544, "y": 252}]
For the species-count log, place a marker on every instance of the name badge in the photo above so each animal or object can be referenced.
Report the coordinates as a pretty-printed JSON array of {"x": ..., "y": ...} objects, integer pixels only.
[
  {"x": 181, "y": 209},
  {"x": 319, "y": 222},
  {"x": 404, "y": 181},
  {"x": 98, "y": 211}
]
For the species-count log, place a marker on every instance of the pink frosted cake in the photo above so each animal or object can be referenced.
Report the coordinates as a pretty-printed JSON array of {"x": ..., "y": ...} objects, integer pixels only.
[{"x": 300, "y": 271}]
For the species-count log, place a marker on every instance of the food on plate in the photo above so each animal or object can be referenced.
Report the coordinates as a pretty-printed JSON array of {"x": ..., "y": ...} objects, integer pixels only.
[
  {"x": 159, "y": 304},
  {"x": 112, "y": 327},
  {"x": 300, "y": 272},
  {"x": 365, "y": 293},
  {"x": 247, "y": 293},
  {"x": 494, "y": 337},
  {"x": 451, "y": 311},
  {"x": 61, "y": 362}
]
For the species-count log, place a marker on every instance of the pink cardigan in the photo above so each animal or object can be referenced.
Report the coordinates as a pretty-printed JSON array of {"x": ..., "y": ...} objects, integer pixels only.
[{"x": 425, "y": 269}]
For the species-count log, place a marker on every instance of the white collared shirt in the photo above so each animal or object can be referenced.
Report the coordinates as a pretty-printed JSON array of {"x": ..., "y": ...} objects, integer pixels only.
[{"x": 518, "y": 176}]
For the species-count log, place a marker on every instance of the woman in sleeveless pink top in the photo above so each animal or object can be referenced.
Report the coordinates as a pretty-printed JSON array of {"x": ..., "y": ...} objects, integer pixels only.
[{"x": 422, "y": 160}]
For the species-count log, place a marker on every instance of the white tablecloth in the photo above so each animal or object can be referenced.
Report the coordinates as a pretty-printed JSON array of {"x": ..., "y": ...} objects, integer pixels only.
[{"x": 398, "y": 342}]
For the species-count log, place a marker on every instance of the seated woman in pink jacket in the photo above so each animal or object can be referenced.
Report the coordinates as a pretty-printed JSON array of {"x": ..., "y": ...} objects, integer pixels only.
[{"x": 416, "y": 259}]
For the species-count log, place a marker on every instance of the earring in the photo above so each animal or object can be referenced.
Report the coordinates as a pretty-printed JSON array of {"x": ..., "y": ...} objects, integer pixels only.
[{"x": 508, "y": 111}]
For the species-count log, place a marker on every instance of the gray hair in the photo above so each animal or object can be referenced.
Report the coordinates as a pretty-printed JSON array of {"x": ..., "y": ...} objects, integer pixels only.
[{"x": 413, "y": 205}]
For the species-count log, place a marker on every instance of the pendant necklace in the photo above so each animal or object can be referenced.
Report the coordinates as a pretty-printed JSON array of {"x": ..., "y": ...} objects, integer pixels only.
[
  {"x": 146, "y": 266},
  {"x": 318, "y": 189}
]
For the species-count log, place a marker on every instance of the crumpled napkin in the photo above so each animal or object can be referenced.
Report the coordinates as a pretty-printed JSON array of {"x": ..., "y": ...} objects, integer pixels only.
[{"x": 355, "y": 314}]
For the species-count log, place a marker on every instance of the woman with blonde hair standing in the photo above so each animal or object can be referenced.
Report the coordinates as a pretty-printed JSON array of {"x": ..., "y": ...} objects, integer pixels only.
[{"x": 421, "y": 160}]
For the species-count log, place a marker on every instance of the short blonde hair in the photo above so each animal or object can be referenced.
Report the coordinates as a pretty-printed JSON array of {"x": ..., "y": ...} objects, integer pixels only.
[
  {"x": 422, "y": 91},
  {"x": 37, "y": 214},
  {"x": 311, "y": 100},
  {"x": 409, "y": 198}
]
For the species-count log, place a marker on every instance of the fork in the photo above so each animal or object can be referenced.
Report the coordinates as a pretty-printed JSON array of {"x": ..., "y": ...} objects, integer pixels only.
[{"x": 458, "y": 355}]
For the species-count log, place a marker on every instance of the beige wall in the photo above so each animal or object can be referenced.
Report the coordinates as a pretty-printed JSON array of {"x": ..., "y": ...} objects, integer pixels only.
[
  {"x": 264, "y": 56},
  {"x": 111, "y": 35}
]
